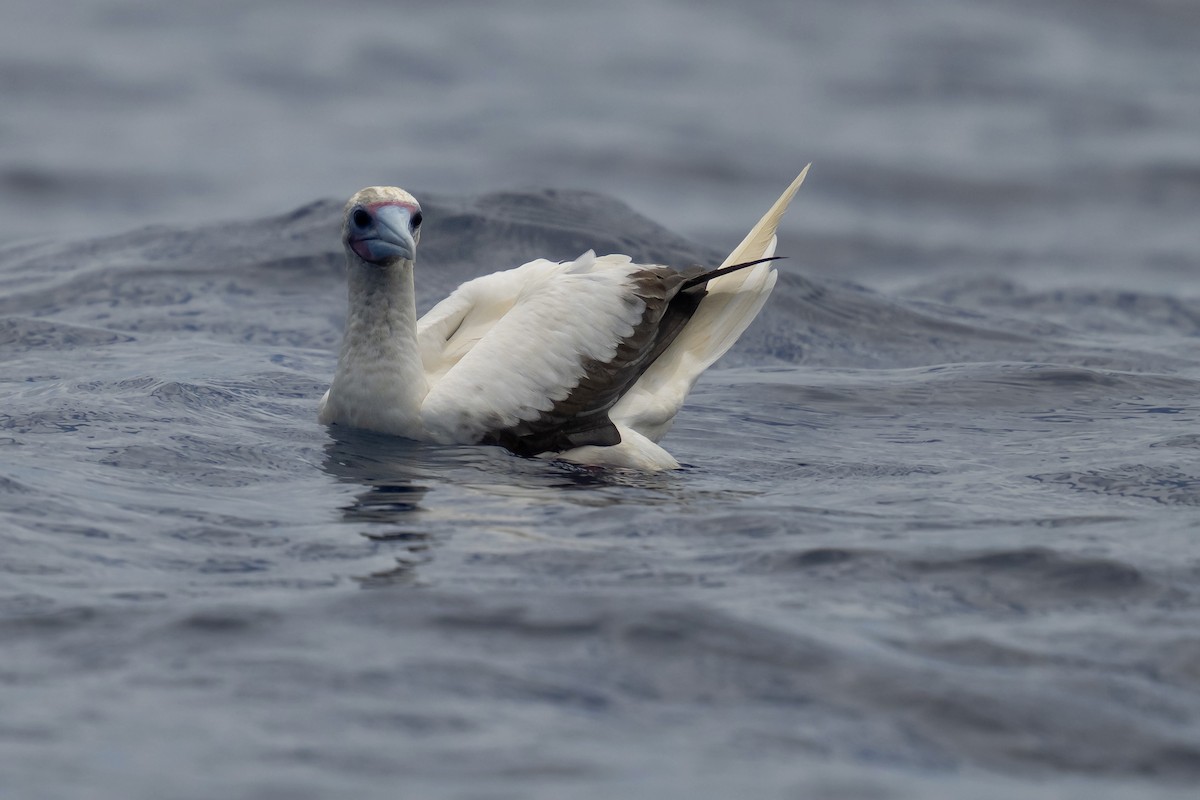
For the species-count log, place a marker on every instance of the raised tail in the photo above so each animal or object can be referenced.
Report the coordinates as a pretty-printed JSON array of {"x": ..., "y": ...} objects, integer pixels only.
[
  {"x": 732, "y": 302},
  {"x": 760, "y": 241}
]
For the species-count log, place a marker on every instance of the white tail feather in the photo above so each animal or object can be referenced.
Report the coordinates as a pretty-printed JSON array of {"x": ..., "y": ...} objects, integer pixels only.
[
  {"x": 762, "y": 235},
  {"x": 732, "y": 303}
]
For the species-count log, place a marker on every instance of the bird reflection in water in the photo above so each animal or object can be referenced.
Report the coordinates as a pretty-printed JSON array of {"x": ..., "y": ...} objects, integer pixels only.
[
  {"x": 391, "y": 504},
  {"x": 414, "y": 495}
]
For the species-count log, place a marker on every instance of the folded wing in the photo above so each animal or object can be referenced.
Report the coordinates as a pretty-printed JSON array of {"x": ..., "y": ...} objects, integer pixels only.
[{"x": 535, "y": 358}]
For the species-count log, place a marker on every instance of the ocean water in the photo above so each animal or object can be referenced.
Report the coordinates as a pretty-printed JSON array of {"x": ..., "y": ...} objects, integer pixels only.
[{"x": 936, "y": 532}]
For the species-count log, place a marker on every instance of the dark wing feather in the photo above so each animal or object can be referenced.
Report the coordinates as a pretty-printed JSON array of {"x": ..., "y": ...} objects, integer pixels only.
[{"x": 671, "y": 298}]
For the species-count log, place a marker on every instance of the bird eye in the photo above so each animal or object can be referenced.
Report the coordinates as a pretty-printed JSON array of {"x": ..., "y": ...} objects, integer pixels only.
[
  {"x": 416, "y": 220},
  {"x": 361, "y": 218}
]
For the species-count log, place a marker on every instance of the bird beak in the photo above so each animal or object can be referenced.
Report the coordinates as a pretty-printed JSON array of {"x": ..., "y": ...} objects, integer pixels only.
[{"x": 389, "y": 239}]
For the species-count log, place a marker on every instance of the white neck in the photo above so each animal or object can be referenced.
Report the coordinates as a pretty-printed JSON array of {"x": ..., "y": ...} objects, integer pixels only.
[{"x": 380, "y": 381}]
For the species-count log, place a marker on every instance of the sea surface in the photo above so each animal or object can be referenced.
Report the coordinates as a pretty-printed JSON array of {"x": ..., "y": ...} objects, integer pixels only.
[{"x": 938, "y": 530}]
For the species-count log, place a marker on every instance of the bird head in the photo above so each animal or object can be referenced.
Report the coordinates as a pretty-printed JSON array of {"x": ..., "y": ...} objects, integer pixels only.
[{"x": 382, "y": 225}]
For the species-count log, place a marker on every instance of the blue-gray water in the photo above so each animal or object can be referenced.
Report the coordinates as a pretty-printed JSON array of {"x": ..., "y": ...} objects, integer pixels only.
[{"x": 937, "y": 535}]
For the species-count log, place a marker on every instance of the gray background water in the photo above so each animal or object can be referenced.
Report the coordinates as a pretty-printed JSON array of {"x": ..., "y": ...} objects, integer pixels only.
[{"x": 936, "y": 538}]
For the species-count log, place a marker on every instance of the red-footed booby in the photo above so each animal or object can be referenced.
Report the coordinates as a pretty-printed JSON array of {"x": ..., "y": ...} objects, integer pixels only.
[{"x": 586, "y": 361}]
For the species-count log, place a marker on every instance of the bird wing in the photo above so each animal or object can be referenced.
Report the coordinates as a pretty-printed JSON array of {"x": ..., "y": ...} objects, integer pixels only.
[
  {"x": 534, "y": 358},
  {"x": 451, "y": 328}
]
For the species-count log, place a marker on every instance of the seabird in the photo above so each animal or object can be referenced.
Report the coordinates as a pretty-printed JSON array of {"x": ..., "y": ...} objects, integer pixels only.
[{"x": 586, "y": 361}]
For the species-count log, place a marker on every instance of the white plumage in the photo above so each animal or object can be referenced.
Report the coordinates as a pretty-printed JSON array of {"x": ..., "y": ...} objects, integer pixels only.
[{"x": 587, "y": 360}]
